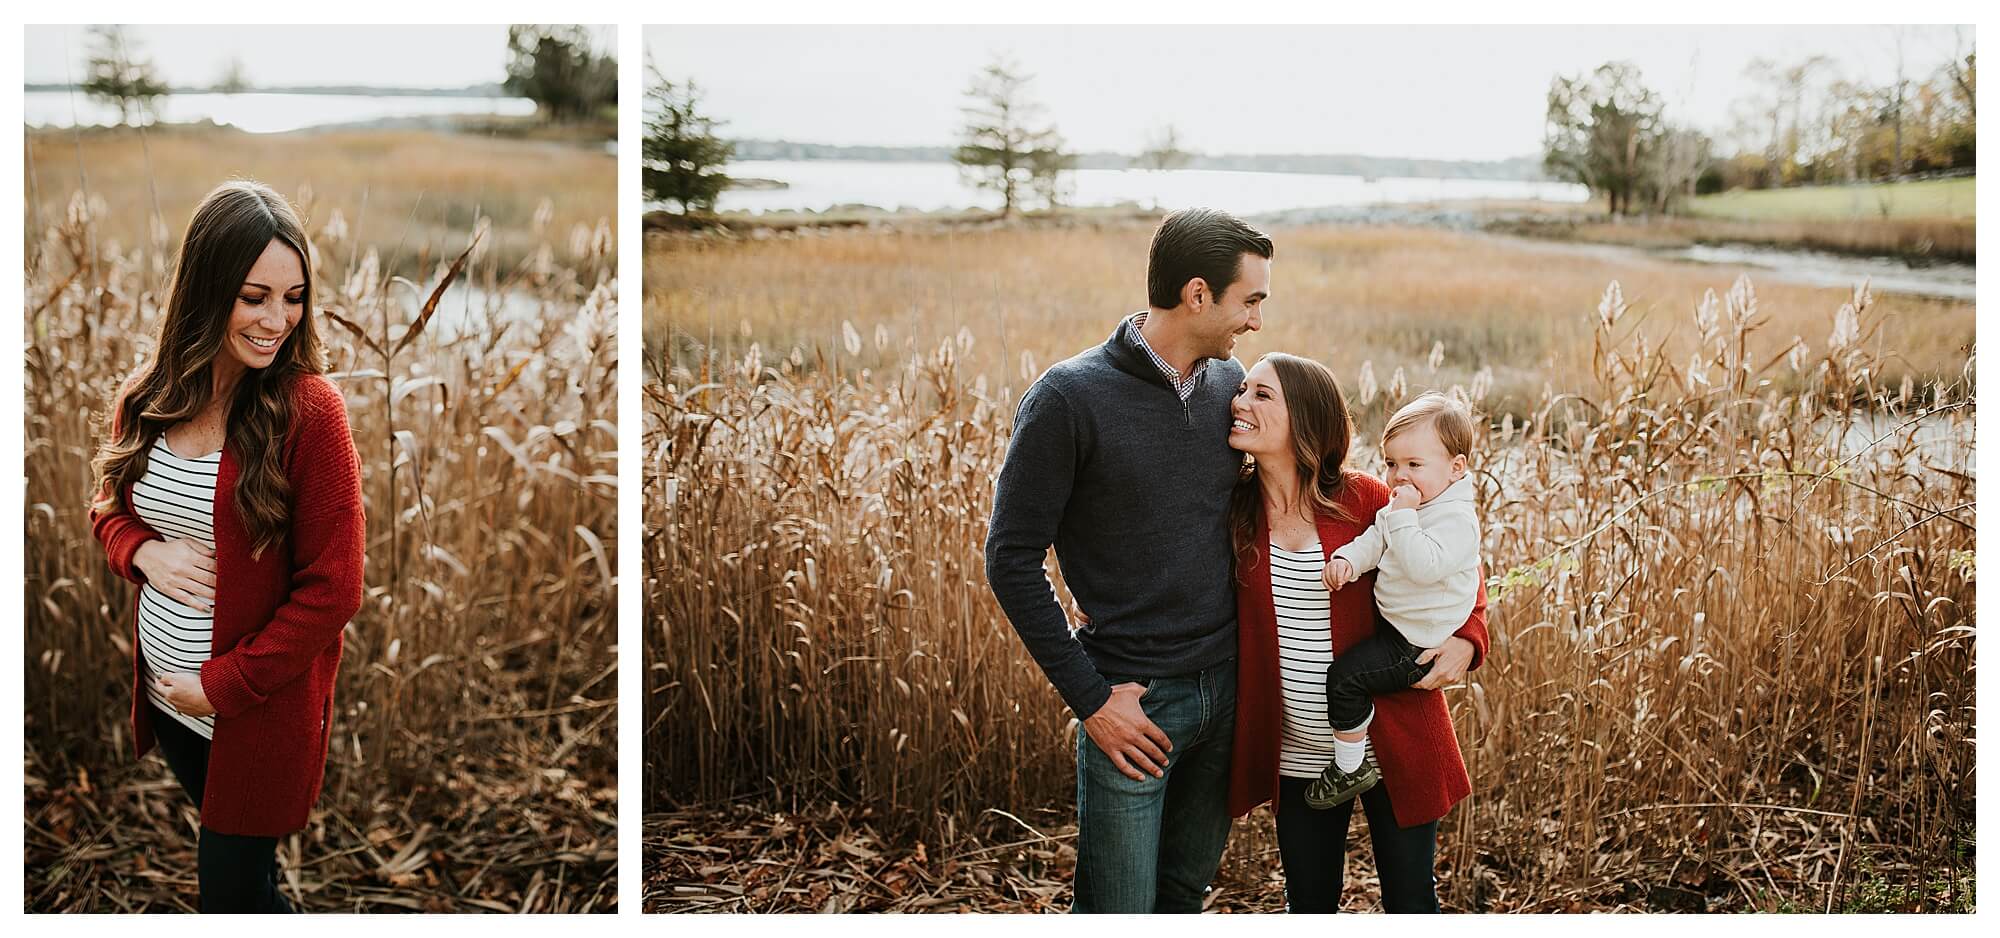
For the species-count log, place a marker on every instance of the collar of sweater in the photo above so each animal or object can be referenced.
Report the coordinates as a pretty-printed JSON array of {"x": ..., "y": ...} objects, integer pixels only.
[
  {"x": 1127, "y": 355},
  {"x": 1460, "y": 491}
]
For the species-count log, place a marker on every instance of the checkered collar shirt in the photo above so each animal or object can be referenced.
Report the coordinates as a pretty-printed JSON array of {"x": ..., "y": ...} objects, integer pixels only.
[{"x": 1182, "y": 386}]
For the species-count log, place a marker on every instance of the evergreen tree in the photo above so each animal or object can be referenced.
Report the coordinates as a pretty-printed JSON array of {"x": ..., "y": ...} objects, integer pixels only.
[
  {"x": 554, "y": 67},
  {"x": 118, "y": 75},
  {"x": 681, "y": 152},
  {"x": 1003, "y": 145}
]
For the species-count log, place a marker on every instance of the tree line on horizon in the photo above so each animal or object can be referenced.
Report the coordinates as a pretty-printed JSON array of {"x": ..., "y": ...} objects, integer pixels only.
[
  {"x": 1527, "y": 168},
  {"x": 554, "y": 66},
  {"x": 1796, "y": 124},
  {"x": 1006, "y": 145}
]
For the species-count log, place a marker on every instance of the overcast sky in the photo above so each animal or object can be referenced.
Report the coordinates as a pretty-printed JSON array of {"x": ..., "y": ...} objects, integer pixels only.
[
  {"x": 1443, "y": 92},
  {"x": 383, "y": 56}
]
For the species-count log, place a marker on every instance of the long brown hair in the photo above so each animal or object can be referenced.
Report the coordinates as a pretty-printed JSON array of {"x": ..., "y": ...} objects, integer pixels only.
[
  {"x": 230, "y": 229},
  {"x": 1322, "y": 433}
]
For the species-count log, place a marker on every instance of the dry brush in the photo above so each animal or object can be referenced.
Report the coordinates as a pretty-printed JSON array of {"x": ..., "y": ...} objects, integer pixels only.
[
  {"x": 1732, "y": 582},
  {"x": 472, "y": 764}
]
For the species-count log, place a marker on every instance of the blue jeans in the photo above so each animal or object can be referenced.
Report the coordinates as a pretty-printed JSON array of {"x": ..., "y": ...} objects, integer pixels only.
[{"x": 1153, "y": 845}]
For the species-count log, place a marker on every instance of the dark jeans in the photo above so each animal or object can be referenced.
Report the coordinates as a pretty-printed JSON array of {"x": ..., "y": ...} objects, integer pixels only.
[
  {"x": 1379, "y": 664},
  {"x": 1312, "y": 845},
  {"x": 237, "y": 873},
  {"x": 1154, "y": 845}
]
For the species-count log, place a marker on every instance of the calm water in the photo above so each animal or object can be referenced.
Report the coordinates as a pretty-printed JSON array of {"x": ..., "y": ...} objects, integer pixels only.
[
  {"x": 264, "y": 113},
  {"x": 468, "y": 310},
  {"x": 1950, "y": 280},
  {"x": 817, "y": 185},
  {"x": 1816, "y": 268}
]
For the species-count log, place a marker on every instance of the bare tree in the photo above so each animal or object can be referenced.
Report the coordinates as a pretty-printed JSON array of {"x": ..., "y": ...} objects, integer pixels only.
[
  {"x": 1163, "y": 150},
  {"x": 1768, "y": 106},
  {"x": 1963, "y": 70},
  {"x": 1806, "y": 123},
  {"x": 1798, "y": 87},
  {"x": 1679, "y": 155},
  {"x": 1896, "y": 115},
  {"x": 1782, "y": 105},
  {"x": 1848, "y": 120},
  {"x": 235, "y": 79}
]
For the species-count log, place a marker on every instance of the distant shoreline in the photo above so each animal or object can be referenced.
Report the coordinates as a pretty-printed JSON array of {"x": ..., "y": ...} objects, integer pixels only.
[
  {"x": 487, "y": 90},
  {"x": 598, "y": 135},
  {"x": 1918, "y": 242},
  {"x": 1513, "y": 169}
]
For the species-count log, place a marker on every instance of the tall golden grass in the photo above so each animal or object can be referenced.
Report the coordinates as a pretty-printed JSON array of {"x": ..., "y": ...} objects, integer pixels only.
[
  {"x": 1731, "y": 574},
  {"x": 1348, "y": 295},
  {"x": 401, "y": 191},
  {"x": 472, "y": 765}
]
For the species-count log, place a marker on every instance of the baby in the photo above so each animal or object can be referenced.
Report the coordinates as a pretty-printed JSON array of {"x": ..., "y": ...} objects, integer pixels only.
[{"x": 1426, "y": 546}]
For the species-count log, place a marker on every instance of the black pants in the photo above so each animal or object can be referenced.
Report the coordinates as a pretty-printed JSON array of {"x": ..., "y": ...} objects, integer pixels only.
[
  {"x": 1312, "y": 845},
  {"x": 237, "y": 873},
  {"x": 1379, "y": 664}
]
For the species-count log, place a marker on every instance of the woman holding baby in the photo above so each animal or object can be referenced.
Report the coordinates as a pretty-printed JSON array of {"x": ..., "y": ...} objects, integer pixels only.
[{"x": 1379, "y": 733}]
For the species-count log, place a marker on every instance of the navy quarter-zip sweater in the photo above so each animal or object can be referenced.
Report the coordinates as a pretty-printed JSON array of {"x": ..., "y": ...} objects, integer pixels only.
[{"x": 1132, "y": 487}]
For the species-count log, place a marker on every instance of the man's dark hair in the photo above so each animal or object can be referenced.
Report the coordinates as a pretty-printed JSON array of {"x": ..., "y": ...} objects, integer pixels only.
[{"x": 1199, "y": 242}]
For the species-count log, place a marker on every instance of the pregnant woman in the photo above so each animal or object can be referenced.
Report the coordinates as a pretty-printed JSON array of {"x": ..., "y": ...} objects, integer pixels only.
[
  {"x": 228, "y": 488},
  {"x": 1298, "y": 506}
]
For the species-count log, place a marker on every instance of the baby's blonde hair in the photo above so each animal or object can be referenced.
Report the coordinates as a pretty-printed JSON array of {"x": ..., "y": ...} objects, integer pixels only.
[{"x": 1452, "y": 419}]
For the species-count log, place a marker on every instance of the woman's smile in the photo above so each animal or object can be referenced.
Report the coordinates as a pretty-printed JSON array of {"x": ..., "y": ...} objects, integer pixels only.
[
  {"x": 1259, "y": 402},
  {"x": 268, "y": 307},
  {"x": 1241, "y": 428}
]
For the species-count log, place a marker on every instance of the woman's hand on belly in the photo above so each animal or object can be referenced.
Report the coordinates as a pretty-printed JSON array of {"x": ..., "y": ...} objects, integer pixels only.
[
  {"x": 181, "y": 569},
  {"x": 184, "y": 694}
]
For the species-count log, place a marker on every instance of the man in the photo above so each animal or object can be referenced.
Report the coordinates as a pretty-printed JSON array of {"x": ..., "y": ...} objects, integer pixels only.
[{"x": 1120, "y": 459}]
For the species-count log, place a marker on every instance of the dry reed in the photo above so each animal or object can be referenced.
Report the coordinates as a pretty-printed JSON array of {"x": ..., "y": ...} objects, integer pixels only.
[
  {"x": 1346, "y": 295},
  {"x": 400, "y": 190},
  {"x": 1732, "y": 582},
  {"x": 472, "y": 764}
]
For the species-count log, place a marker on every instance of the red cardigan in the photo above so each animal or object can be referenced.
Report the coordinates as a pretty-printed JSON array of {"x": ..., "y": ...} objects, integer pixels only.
[
  {"x": 278, "y": 623},
  {"x": 1414, "y": 743}
]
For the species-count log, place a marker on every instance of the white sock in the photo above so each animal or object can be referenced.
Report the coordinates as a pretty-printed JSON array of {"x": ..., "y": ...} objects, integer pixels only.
[{"x": 1347, "y": 756}]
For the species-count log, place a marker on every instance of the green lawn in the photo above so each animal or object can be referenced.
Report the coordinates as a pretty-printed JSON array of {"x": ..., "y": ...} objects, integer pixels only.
[{"x": 1929, "y": 198}]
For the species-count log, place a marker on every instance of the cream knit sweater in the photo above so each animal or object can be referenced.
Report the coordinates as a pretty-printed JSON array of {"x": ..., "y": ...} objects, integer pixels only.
[{"x": 1429, "y": 562}]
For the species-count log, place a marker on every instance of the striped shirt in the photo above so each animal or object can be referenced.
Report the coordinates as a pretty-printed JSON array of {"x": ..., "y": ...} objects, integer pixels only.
[
  {"x": 1182, "y": 386},
  {"x": 1305, "y": 649},
  {"x": 176, "y": 497}
]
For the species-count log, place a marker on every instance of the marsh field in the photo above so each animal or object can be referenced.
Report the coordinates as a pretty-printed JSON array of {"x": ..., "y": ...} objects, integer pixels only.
[
  {"x": 473, "y": 764},
  {"x": 1729, "y": 539}
]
